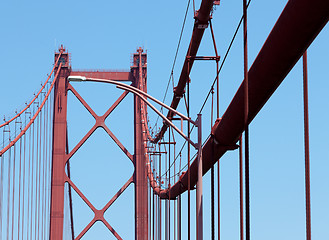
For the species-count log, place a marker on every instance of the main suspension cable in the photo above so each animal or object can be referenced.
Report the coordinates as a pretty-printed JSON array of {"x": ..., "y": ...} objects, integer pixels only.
[{"x": 35, "y": 97}]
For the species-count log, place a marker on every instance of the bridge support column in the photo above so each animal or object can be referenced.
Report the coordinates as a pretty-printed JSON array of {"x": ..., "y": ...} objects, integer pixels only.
[
  {"x": 140, "y": 178},
  {"x": 59, "y": 148}
]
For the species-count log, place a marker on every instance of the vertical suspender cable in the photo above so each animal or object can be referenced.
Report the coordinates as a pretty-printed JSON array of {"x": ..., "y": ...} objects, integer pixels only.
[
  {"x": 39, "y": 173},
  {"x": 149, "y": 210},
  {"x": 19, "y": 186},
  {"x": 175, "y": 204},
  {"x": 1, "y": 184},
  {"x": 246, "y": 112},
  {"x": 212, "y": 176},
  {"x": 179, "y": 202},
  {"x": 43, "y": 172},
  {"x": 28, "y": 181},
  {"x": 156, "y": 217},
  {"x": 189, "y": 162},
  {"x": 34, "y": 178},
  {"x": 153, "y": 214},
  {"x": 156, "y": 202},
  {"x": 13, "y": 191},
  {"x": 169, "y": 184},
  {"x": 26, "y": 178},
  {"x": 166, "y": 200},
  {"x": 160, "y": 215},
  {"x": 218, "y": 197},
  {"x": 24, "y": 185},
  {"x": 307, "y": 150},
  {"x": 32, "y": 184},
  {"x": 241, "y": 186},
  {"x": 38, "y": 176},
  {"x": 29, "y": 204},
  {"x": 36, "y": 216},
  {"x": 8, "y": 192},
  {"x": 49, "y": 147},
  {"x": 48, "y": 134},
  {"x": 1, "y": 190},
  {"x": 217, "y": 115},
  {"x": 218, "y": 169},
  {"x": 35, "y": 193},
  {"x": 247, "y": 183},
  {"x": 151, "y": 237}
]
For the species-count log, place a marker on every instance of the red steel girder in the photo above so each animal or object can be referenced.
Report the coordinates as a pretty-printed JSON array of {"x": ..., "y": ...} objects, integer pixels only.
[
  {"x": 99, "y": 214},
  {"x": 298, "y": 25},
  {"x": 100, "y": 122},
  {"x": 113, "y": 75},
  {"x": 59, "y": 147},
  {"x": 140, "y": 160},
  {"x": 61, "y": 156}
]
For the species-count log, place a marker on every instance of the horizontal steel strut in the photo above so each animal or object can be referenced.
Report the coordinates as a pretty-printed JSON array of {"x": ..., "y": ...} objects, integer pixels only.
[{"x": 298, "y": 25}]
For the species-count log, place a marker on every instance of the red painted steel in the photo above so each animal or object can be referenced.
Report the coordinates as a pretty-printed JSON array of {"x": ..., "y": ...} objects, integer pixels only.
[
  {"x": 291, "y": 35},
  {"x": 32, "y": 101},
  {"x": 61, "y": 157},
  {"x": 289, "y": 38},
  {"x": 307, "y": 150},
  {"x": 218, "y": 196},
  {"x": 100, "y": 122},
  {"x": 23, "y": 131},
  {"x": 68, "y": 169},
  {"x": 188, "y": 158},
  {"x": 241, "y": 187},
  {"x": 199, "y": 186},
  {"x": 59, "y": 147},
  {"x": 212, "y": 177},
  {"x": 201, "y": 21},
  {"x": 140, "y": 179},
  {"x": 99, "y": 214},
  {"x": 113, "y": 75},
  {"x": 246, "y": 113}
]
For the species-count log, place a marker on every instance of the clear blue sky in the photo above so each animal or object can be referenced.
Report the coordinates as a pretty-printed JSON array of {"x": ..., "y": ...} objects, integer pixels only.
[{"x": 103, "y": 34}]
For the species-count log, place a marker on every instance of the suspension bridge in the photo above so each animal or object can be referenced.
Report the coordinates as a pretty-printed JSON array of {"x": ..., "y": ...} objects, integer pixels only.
[{"x": 66, "y": 162}]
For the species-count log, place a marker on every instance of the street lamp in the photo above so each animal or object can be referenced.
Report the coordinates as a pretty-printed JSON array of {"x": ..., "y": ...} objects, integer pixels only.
[{"x": 197, "y": 146}]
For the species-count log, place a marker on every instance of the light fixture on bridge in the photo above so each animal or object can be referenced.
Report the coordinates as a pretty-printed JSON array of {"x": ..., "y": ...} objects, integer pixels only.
[{"x": 76, "y": 78}]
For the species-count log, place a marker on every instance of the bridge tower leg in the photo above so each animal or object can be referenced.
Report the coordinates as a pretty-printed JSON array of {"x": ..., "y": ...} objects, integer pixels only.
[
  {"x": 140, "y": 178},
  {"x": 59, "y": 147}
]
